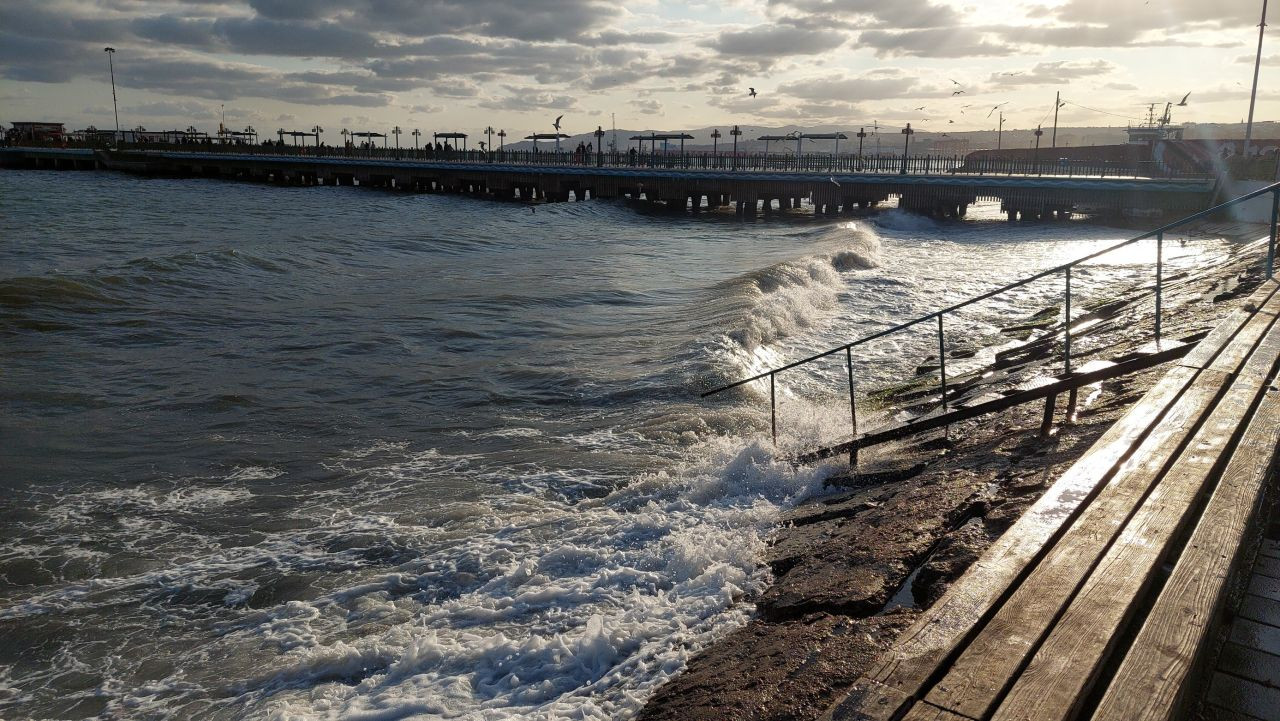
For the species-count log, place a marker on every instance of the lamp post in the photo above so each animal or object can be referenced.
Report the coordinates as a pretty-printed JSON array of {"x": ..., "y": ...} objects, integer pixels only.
[
  {"x": 317, "y": 130},
  {"x": 280, "y": 134},
  {"x": 1035, "y": 158},
  {"x": 111, "y": 67},
  {"x": 907, "y": 132},
  {"x": 735, "y": 133},
  {"x": 1253, "y": 94},
  {"x": 488, "y": 134},
  {"x": 248, "y": 129},
  {"x": 396, "y": 132},
  {"x": 346, "y": 137},
  {"x": 599, "y": 146},
  {"x": 416, "y": 134},
  {"x": 715, "y": 144},
  {"x": 862, "y": 134},
  {"x": 502, "y": 140},
  {"x": 1000, "y": 132}
]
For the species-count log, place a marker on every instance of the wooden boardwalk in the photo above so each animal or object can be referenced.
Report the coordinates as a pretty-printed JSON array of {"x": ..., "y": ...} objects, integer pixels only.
[{"x": 1106, "y": 600}]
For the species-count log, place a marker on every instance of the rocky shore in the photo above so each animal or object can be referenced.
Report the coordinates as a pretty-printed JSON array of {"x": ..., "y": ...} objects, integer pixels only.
[{"x": 853, "y": 568}]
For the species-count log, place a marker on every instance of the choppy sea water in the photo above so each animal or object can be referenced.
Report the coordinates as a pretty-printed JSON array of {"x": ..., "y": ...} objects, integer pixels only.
[{"x": 311, "y": 453}]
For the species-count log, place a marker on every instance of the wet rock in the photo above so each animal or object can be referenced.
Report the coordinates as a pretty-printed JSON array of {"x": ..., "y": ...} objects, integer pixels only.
[{"x": 775, "y": 671}]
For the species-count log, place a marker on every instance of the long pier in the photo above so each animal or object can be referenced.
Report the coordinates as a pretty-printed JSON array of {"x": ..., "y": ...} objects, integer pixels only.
[{"x": 932, "y": 186}]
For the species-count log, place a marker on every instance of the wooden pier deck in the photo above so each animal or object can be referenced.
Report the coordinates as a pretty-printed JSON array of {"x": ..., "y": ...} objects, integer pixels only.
[{"x": 1109, "y": 598}]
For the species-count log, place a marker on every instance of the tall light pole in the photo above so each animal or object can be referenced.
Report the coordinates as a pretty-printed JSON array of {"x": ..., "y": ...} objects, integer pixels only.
[
  {"x": 1035, "y": 159},
  {"x": 488, "y": 134},
  {"x": 735, "y": 133},
  {"x": 111, "y": 66},
  {"x": 1000, "y": 132},
  {"x": 600, "y": 146},
  {"x": 502, "y": 139},
  {"x": 1057, "y": 103},
  {"x": 715, "y": 140},
  {"x": 907, "y": 132},
  {"x": 1253, "y": 94},
  {"x": 317, "y": 130},
  {"x": 416, "y": 134},
  {"x": 862, "y": 134}
]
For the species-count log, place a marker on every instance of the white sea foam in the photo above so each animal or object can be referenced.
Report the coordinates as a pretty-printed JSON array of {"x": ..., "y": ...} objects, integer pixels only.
[{"x": 589, "y": 606}]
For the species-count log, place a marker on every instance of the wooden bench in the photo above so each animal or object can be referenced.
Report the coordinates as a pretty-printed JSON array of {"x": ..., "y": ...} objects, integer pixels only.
[{"x": 1103, "y": 600}]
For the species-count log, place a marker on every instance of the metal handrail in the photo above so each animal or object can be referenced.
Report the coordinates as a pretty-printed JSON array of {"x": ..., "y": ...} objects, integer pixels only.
[
  {"x": 1064, "y": 268},
  {"x": 742, "y": 161}
]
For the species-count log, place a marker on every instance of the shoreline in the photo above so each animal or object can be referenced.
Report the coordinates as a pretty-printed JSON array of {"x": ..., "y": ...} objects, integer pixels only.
[{"x": 853, "y": 568}]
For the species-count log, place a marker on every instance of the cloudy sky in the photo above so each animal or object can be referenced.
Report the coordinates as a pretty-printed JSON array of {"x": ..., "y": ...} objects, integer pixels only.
[{"x": 461, "y": 64}]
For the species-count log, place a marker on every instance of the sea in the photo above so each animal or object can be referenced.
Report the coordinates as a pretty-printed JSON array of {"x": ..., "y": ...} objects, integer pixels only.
[{"x": 341, "y": 453}]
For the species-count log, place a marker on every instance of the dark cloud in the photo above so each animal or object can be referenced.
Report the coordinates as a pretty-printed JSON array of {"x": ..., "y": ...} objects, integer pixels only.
[
  {"x": 521, "y": 99},
  {"x": 880, "y": 85},
  {"x": 776, "y": 41}
]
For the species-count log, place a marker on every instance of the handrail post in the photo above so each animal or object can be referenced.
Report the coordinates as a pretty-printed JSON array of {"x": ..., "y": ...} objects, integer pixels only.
[
  {"x": 773, "y": 409},
  {"x": 1275, "y": 217},
  {"x": 1159, "y": 280},
  {"x": 853, "y": 402},
  {"x": 1066, "y": 325},
  {"x": 942, "y": 363}
]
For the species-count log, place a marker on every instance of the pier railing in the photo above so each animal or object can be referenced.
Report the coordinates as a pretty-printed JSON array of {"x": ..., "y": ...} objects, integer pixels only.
[
  {"x": 719, "y": 160},
  {"x": 938, "y": 317}
]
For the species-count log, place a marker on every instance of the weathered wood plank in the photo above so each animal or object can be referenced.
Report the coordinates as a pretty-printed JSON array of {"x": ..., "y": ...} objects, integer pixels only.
[
  {"x": 1152, "y": 681},
  {"x": 988, "y": 666},
  {"x": 924, "y": 712},
  {"x": 1250, "y": 664},
  {"x": 1250, "y": 335},
  {"x": 1269, "y": 548},
  {"x": 1211, "y": 345},
  {"x": 1265, "y": 586},
  {"x": 916, "y": 654},
  {"x": 1258, "y": 636},
  {"x": 1267, "y": 566},
  {"x": 1246, "y": 697},
  {"x": 1065, "y": 667},
  {"x": 982, "y": 672},
  {"x": 1260, "y": 609}
]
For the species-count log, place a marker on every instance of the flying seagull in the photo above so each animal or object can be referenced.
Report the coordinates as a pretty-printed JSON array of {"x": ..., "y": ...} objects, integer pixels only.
[
  {"x": 920, "y": 108},
  {"x": 1184, "y": 100},
  {"x": 556, "y": 124},
  {"x": 957, "y": 92},
  {"x": 953, "y": 82},
  {"x": 752, "y": 93},
  {"x": 833, "y": 181},
  {"x": 997, "y": 107}
]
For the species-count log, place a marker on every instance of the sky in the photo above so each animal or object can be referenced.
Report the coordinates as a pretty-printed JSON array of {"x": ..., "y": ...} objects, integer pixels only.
[{"x": 462, "y": 65}]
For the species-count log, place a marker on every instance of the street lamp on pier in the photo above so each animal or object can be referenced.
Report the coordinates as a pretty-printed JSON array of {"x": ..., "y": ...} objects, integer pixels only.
[
  {"x": 396, "y": 132},
  {"x": 488, "y": 134},
  {"x": 346, "y": 137},
  {"x": 111, "y": 66},
  {"x": 862, "y": 134},
  {"x": 599, "y": 146},
  {"x": 280, "y": 134},
  {"x": 416, "y": 134},
  {"x": 735, "y": 133},
  {"x": 1035, "y": 159},
  {"x": 252, "y": 133},
  {"x": 907, "y": 132},
  {"x": 317, "y": 130},
  {"x": 502, "y": 139}
]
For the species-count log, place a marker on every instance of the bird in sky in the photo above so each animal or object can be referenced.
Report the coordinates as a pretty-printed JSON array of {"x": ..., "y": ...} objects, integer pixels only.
[
  {"x": 752, "y": 93},
  {"x": 957, "y": 92},
  {"x": 556, "y": 124},
  {"x": 950, "y": 121},
  {"x": 920, "y": 108},
  {"x": 997, "y": 107},
  {"x": 833, "y": 181},
  {"x": 1012, "y": 74},
  {"x": 954, "y": 82},
  {"x": 1184, "y": 100}
]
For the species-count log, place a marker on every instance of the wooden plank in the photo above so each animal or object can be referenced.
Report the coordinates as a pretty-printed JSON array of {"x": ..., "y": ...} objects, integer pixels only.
[
  {"x": 1067, "y": 664},
  {"x": 1265, "y": 586},
  {"x": 1260, "y": 609},
  {"x": 906, "y": 666},
  {"x": 980, "y": 675},
  {"x": 1258, "y": 636},
  {"x": 1269, "y": 548},
  {"x": 1247, "y": 663},
  {"x": 925, "y": 712},
  {"x": 1208, "y": 349},
  {"x": 1246, "y": 697},
  {"x": 982, "y": 672},
  {"x": 1253, "y": 330},
  {"x": 1267, "y": 566}
]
